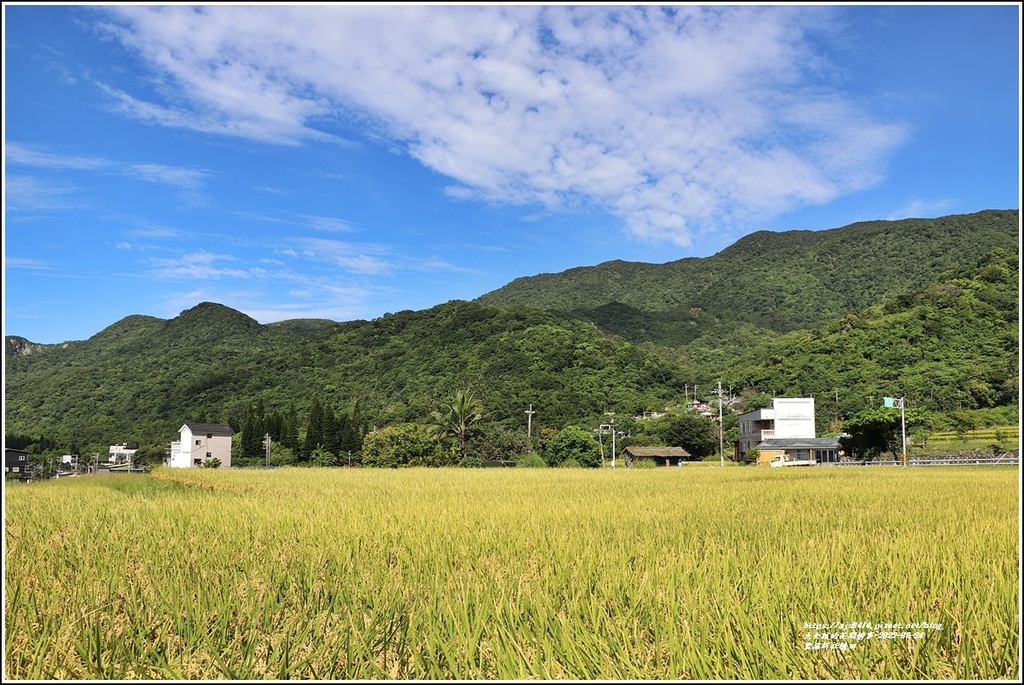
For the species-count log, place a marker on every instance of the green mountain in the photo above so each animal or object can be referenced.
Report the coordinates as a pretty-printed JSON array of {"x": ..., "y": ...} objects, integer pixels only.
[
  {"x": 775, "y": 281},
  {"x": 949, "y": 342},
  {"x": 142, "y": 377}
]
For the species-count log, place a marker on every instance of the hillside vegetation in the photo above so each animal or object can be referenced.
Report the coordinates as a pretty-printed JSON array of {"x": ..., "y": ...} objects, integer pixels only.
[
  {"x": 775, "y": 281},
  {"x": 142, "y": 377},
  {"x": 949, "y": 344}
]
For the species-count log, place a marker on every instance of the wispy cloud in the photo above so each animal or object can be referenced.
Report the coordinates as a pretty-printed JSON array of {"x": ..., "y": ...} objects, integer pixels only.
[
  {"x": 21, "y": 154},
  {"x": 31, "y": 194},
  {"x": 200, "y": 265},
  {"x": 921, "y": 209},
  {"x": 326, "y": 223},
  {"x": 676, "y": 119},
  {"x": 356, "y": 258},
  {"x": 176, "y": 177},
  {"x": 188, "y": 182},
  {"x": 21, "y": 263}
]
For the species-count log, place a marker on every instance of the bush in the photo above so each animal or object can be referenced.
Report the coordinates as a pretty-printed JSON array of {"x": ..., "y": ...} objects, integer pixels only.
[
  {"x": 531, "y": 461},
  {"x": 470, "y": 462},
  {"x": 400, "y": 445},
  {"x": 570, "y": 463},
  {"x": 322, "y": 457},
  {"x": 576, "y": 444}
]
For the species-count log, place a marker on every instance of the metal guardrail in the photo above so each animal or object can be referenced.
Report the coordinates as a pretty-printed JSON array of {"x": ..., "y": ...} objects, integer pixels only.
[{"x": 1005, "y": 459}]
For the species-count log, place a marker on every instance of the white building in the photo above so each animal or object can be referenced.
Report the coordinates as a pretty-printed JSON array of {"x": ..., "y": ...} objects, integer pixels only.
[
  {"x": 787, "y": 418},
  {"x": 199, "y": 443},
  {"x": 120, "y": 454}
]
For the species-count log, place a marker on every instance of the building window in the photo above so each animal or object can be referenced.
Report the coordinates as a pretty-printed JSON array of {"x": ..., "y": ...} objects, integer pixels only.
[
  {"x": 209, "y": 435},
  {"x": 199, "y": 442},
  {"x": 209, "y": 454},
  {"x": 197, "y": 462}
]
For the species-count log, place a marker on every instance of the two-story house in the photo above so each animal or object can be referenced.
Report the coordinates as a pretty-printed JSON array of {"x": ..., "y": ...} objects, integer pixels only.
[
  {"x": 785, "y": 432},
  {"x": 17, "y": 464},
  {"x": 199, "y": 443}
]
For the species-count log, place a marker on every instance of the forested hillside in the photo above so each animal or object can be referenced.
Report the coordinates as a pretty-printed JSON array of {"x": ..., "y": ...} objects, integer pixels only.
[
  {"x": 776, "y": 281},
  {"x": 141, "y": 378},
  {"x": 949, "y": 344},
  {"x": 954, "y": 344}
]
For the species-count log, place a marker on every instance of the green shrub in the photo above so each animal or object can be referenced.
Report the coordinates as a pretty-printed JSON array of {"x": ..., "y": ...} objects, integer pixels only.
[{"x": 531, "y": 461}]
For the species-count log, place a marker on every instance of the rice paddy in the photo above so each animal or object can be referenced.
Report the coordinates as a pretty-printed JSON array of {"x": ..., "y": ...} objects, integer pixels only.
[{"x": 694, "y": 572}]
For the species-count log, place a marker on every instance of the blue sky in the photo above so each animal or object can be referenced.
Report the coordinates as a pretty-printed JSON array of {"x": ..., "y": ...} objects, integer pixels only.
[{"x": 344, "y": 161}]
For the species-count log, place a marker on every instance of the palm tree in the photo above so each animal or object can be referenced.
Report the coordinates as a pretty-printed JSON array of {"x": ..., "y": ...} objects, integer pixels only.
[{"x": 459, "y": 419}]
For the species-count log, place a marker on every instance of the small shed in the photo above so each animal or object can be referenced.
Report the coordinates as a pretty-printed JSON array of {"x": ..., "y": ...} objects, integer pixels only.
[{"x": 662, "y": 456}]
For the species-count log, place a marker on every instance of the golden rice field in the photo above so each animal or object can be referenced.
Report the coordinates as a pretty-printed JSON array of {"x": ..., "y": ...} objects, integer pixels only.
[{"x": 695, "y": 572}]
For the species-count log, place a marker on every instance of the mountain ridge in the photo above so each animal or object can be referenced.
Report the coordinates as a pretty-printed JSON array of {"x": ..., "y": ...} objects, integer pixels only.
[{"x": 799, "y": 271}]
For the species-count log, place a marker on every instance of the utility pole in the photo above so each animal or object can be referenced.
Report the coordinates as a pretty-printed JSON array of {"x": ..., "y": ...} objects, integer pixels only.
[
  {"x": 903, "y": 427},
  {"x": 721, "y": 440},
  {"x": 612, "y": 424},
  {"x": 529, "y": 422},
  {"x": 613, "y": 442},
  {"x": 266, "y": 446}
]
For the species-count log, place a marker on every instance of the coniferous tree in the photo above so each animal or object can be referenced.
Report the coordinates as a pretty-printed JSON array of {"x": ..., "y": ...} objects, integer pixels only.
[
  {"x": 316, "y": 429},
  {"x": 289, "y": 436}
]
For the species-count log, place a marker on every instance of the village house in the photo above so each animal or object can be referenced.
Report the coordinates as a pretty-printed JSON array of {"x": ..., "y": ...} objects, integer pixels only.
[
  {"x": 785, "y": 434},
  {"x": 120, "y": 454},
  {"x": 200, "y": 443},
  {"x": 16, "y": 464}
]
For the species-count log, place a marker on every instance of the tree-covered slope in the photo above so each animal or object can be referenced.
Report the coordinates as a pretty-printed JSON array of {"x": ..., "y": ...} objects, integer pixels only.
[
  {"x": 953, "y": 344},
  {"x": 778, "y": 281},
  {"x": 141, "y": 378}
]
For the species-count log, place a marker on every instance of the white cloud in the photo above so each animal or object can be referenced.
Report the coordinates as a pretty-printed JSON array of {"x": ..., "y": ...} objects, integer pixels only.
[
  {"x": 22, "y": 154},
  {"x": 357, "y": 258},
  {"x": 675, "y": 119},
  {"x": 326, "y": 223},
  {"x": 922, "y": 209},
  {"x": 187, "y": 181},
  {"x": 200, "y": 265},
  {"x": 177, "y": 177},
  {"x": 30, "y": 194},
  {"x": 29, "y": 264}
]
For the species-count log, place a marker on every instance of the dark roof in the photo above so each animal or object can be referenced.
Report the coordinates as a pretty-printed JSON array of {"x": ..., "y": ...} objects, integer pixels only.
[
  {"x": 799, "y": 443},
  {"x": 215, "y": 428},
  {"x": 656, "y": 451}
]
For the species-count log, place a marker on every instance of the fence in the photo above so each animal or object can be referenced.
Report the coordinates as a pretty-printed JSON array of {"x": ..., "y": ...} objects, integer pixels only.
[{"x": 958, "y": 459}]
